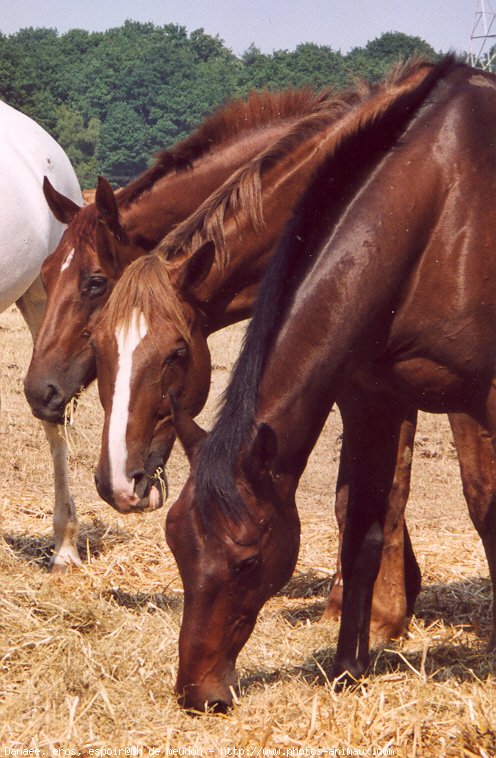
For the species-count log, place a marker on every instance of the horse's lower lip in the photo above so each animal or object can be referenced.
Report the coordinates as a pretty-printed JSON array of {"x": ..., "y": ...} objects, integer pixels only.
[
  {"x": 155, "y": 499},
  {"x": 44, "y": 414},
  {"x": 151, "y": 502}
]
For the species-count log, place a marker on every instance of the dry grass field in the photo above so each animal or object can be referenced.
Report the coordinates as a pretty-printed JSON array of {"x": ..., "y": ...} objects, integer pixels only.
[{"x": 88, "y": 662}]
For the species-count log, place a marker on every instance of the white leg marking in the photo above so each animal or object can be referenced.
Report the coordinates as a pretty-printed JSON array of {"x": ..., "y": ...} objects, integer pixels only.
[
  {"x": 65, "y": 521},
  {"x": 127, "y": 342}
]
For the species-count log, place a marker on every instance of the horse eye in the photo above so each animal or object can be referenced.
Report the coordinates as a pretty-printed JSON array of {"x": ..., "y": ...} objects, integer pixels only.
[
  {"x": 94, "y": 286},
  {"x": 176, "y": 356},
  {"x": 247, "y": 565}
]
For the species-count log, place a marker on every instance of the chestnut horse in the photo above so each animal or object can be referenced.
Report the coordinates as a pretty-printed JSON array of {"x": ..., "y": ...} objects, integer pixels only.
[
  {"x": 102, "y": 238},
  {"x": 382, "y": 297},
  {"x": 29, "y": 234}
]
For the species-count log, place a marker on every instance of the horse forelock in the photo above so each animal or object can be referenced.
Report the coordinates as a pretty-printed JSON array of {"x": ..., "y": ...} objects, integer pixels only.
[
  {"x": 83, "y": 226},
  {"x": 391, "y": 106},
  {"x": 145, "y": 287}
]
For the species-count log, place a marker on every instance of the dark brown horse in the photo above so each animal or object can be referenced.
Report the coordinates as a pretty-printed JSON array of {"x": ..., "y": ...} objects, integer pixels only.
[
  {"x": 103, "y": 238},
  {"x": 382, "y": 297}
]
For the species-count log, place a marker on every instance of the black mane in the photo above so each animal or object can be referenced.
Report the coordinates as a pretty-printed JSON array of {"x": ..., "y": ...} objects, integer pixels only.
[{"x": 333, "y": 185}]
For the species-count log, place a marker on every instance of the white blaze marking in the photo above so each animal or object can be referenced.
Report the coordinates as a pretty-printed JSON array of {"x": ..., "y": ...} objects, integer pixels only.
[
  {"x": 127, "y": 342},
  {"x": 67, "y": 261}
]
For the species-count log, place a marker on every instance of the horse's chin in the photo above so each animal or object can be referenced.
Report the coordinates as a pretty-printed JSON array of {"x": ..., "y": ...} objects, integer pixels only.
[
  {"x": 154, "y": 495},
  {"x": 45, "y": 414}
]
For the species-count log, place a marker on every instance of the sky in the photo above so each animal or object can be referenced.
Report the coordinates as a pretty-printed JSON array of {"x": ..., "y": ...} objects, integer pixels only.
[{"x": 269, "y": 24}]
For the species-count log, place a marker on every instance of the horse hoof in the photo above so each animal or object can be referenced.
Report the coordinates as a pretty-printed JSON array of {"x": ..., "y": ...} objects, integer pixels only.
[
  {"x": 381, "y": 633},
  {"x": 331, "y": 613},
  {"x": 59, "y": 569},
  {"x": 60, "y": 566}
]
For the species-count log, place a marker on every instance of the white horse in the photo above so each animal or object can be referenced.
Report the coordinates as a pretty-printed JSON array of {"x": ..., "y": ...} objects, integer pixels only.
[{"x": 29, "y": 232}]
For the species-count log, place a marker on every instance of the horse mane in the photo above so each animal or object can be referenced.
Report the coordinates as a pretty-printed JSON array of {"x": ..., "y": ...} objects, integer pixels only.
[
  {"x": 144, "y": 286},
  {"x": 236, "y": 117},
  {"x": 379, "y": 125},
  {"x": 241, "y": 193}
]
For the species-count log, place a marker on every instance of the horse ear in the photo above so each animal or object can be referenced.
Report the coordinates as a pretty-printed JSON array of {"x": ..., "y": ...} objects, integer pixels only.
[
  {"x": 192, "y": 271},
  {"x": 189, "y": 433},
  {"x": 63, "y": 208},
  {"x": 107, "y": 248},
  {"x": 106, "y": 204},
  {"x": 263, "y": 451},
  {"x": 110, "y": 235}
]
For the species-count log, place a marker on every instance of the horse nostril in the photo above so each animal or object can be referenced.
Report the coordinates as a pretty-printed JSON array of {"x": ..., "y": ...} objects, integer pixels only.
[
  {"x": 218, "y": 706},
  {"x": 53, "y": 396}
]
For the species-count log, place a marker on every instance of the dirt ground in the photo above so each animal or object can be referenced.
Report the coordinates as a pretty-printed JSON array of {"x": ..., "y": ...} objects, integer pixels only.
[{"x": 88, "y": 661}]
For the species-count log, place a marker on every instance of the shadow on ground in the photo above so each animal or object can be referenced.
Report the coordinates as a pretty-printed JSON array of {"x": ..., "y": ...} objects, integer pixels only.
[{"x": 94, "y": 539}]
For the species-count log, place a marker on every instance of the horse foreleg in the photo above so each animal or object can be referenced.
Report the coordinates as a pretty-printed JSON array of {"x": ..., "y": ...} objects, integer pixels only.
[
  {"x": 373, "y": 428},
  {"x": 398, "y": 582},
  {"x": 399, "y": 579},
  {"x": 332, "y": 611},
  {"x": 477, "y": 460},
  {"x": 65, "y": 522}
]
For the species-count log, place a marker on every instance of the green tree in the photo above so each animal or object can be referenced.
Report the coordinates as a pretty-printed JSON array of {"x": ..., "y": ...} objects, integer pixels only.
[
  {"x": 122, "y": 152},
  {"x": 115, "y": 98},
  {"x": 309, "y": 65},
  {"x": 80, "y": 142},
  {"x": 374, "y": 60}
]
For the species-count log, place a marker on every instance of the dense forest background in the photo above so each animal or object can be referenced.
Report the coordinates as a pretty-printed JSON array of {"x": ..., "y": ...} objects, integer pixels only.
[{"x": 113, "y": 99}]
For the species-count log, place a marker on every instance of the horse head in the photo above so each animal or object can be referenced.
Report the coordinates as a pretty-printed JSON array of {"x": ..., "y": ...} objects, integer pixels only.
[
  {"x": 235, "y": 545},
  {"x": 78, "y": 278},
  {"x": 150, "y": 342}
]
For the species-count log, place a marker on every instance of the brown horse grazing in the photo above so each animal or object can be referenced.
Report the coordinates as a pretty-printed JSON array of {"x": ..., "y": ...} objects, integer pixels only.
[
  {"x": 382, "y": 296},
  {"x": 103, "y": 238}
]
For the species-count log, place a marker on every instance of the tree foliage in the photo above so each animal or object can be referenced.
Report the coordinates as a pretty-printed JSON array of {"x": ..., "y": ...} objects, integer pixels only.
[{"x": 114, "y": 99}]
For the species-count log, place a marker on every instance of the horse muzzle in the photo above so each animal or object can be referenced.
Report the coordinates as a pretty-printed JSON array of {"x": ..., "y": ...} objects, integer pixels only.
[
  {"x": 47, "y": 400},
  {"x": 141, "y": 493},
  {"x": 213, "y": 697}
]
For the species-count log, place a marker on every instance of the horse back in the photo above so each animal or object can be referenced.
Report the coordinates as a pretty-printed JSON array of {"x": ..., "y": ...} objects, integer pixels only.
[{"x": 29, "y": 230}]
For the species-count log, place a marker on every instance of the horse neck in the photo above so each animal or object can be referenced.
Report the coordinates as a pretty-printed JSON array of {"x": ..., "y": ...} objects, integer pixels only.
[
  {"x": 229, "y": 292},
  {"x": 341, "y": 313},
  {"x": 176, "y": 195}
]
